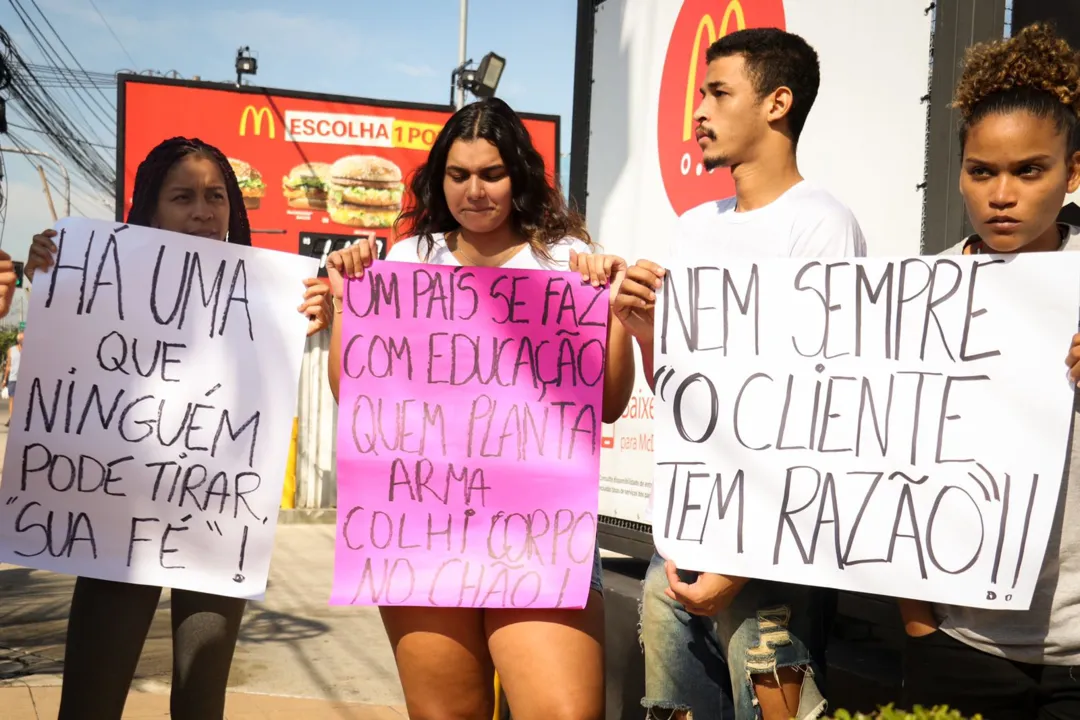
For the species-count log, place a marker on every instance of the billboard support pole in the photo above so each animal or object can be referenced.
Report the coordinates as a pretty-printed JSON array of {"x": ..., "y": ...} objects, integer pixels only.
[
  {"x": 957, "y": 25},
  {"x": 63, "y": 171},
  {"x": 580, "y": 130},
  {"x": 463, "y": 32}
]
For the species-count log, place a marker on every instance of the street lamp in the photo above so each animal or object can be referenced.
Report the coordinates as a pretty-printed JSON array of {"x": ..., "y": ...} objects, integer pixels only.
[
  {"x": 485, "y": 80},
  {"x": 246, "y": 64},
  {"x": 482, "y": 81}
]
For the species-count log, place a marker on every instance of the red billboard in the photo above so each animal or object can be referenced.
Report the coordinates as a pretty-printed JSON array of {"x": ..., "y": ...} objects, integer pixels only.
[{"x": 317, "y": 171}]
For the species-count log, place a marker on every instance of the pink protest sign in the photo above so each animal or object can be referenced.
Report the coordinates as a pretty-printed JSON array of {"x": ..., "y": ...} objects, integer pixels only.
[{"x": 469, "y": 436}]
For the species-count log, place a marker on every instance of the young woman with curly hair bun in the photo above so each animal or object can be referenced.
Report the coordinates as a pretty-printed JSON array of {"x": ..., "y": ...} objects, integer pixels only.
[{"x": 1019, "y": 101}]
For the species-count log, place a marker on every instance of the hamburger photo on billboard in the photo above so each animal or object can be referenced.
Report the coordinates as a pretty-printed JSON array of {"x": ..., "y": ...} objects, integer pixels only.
[
  {"x": 307, "y": 185},
  {"x": 252, "y": 186},
  {"x": 365, "y": 191}
]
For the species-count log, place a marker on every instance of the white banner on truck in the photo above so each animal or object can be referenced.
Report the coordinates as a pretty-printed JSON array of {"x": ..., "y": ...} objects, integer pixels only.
[
  {"x": 892, "y": 427},
  {"x": 644, "y": 164}
]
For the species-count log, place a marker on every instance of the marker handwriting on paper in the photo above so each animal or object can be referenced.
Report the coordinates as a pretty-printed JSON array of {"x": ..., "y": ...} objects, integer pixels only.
[
  {"x": 143, "y": 448},
  {"x": 833, "y": 423},
  {"x": 469, "y": 452}
]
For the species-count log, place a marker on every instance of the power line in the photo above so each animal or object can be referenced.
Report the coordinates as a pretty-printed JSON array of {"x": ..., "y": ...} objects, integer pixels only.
[
  {"x": 117, "y": 39},
  {"x": 42, "y": 132},
  {"x": 51, "y": 76},
  {"x": 41, "y": 109},
  {"x": 64, "y": 45},
  {"x": 46, "y": 50}
]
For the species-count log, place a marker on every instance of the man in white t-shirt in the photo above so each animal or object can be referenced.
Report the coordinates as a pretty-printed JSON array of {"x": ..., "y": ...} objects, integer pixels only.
[{"x": 758, "y": 91}]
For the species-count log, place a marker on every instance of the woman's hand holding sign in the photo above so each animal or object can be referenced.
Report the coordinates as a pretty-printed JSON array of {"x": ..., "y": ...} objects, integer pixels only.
[
  {"x": 598, "y": 270},
  {"x": 8, "y": 278},
  {"x": 42, "y": 252},
  {"x": 347, "y": 263},
  {"x": 1072, "y": 360},
  {"x": 316, "y": 306}
]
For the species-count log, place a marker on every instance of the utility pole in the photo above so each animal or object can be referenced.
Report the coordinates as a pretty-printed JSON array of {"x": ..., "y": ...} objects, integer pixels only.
[
  {"x": 463, "y": 31},
  {"x": 48, "y": 193},
  {"x": 63, "y": 171}
]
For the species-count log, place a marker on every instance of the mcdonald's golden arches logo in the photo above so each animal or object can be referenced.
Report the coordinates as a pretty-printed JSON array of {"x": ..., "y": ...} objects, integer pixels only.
[
  {"x": 700, "y": 23},
  {"x": 256, "y": 117}
]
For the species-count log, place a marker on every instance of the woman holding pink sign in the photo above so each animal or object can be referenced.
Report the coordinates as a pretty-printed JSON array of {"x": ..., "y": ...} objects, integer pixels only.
[{"x": 483, "y": 199}]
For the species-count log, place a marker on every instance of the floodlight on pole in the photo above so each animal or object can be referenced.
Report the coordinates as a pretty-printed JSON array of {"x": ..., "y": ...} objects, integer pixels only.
[
  {"x": 482, "y": 81},
  {"x": 485, "y": 80},
  {"x": 246, "y": 63}
]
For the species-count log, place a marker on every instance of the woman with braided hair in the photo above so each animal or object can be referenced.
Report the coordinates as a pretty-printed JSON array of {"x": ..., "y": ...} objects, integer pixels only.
[
  {"x": 1019, "y": 101},
  {"x": 186, "y": 186}
]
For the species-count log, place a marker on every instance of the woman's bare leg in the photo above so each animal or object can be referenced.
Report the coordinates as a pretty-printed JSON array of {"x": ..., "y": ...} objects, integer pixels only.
[
  {"x": 443, "y": 661},
  {"x": 551, "y": 662}
]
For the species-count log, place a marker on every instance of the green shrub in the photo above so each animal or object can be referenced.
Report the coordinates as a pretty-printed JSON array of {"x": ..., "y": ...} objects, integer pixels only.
[
  {"x": 7, "y": 339},
  {"x": 891, "y": 713}
]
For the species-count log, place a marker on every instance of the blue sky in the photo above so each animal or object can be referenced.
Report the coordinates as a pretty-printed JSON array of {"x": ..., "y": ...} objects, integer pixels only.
[{"x": 402, "y": 50}]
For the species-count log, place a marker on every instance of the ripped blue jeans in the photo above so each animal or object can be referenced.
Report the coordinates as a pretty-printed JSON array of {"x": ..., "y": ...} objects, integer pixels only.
[{"x": 704, "y": 665}]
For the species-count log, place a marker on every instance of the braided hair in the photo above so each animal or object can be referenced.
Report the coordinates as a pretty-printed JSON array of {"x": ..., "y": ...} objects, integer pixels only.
[{"x": 151, "y": 176}]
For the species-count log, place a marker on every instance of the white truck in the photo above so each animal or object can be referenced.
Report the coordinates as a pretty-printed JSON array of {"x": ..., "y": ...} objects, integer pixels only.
[
  {"x": 881, "y": 137},
  {"x": 865, "y": 141}
]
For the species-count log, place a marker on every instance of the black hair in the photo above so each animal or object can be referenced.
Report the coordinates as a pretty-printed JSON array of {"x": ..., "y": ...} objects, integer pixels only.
[
  {"x": 539, "y": 212},
  {"x": 151, "y": 176},
  {"x": 1034, "y": 71},
  {"x": 775, "y": 59}
]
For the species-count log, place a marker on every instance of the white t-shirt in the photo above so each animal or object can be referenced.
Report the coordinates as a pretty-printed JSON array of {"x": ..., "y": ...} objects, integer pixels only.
[
  {"x": 415, "y": 249},
  {"x": 1047, "y": 633},
  {"x": 805, "y": 221}
]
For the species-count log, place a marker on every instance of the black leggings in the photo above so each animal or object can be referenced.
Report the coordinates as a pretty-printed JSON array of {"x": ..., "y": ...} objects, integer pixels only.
[
  {"x": 108, "y": 626},
  {"x": 940, "y": 670}
]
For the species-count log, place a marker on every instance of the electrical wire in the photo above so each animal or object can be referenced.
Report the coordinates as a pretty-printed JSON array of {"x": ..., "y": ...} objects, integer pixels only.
[
  {"x": 42, "y": 132},
  {"x": 42, "y": 110},
  {"x": 64, "y": 45},
  {"x": 63, "y": 76},
  {"x": 50, "y": 76},
  {"x": 99, "y": 113},
  {"x": 111, "y": 32}
]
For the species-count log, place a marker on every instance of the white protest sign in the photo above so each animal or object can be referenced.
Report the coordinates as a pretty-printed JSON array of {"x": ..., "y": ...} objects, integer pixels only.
[
  {"x": 154, "y": 409},
  {"x": 892, "y": 427}
]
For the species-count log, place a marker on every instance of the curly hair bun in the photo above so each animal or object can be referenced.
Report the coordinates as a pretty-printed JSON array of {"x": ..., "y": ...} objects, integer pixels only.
[{"x": 1037, "y": 58}]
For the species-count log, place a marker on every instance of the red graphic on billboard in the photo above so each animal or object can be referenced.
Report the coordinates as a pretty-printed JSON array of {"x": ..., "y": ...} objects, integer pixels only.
[
  {"x": 699, "y": 25},
  {"x": 315, "y": 171}
]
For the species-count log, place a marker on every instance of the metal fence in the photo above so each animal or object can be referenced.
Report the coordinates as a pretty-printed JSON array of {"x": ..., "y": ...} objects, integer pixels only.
[{"x": 316, "y": 477}]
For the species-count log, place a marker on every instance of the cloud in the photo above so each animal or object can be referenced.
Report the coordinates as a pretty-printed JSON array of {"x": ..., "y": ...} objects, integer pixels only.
[
  {"x": 27, "y": 214},
  {"x": 511, "y": 90},
  {"x": 152, "y": 33},
  {"x": 415, "y": 71}
]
